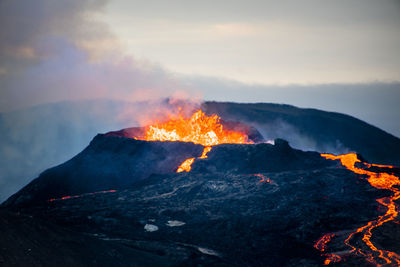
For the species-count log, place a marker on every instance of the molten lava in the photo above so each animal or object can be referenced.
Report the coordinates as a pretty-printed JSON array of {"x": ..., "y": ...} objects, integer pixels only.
[
  {"x": 86, "y": 194},
  {"x": 263, "y": 179},
  {"x": 321, "y": 244},
  {"x": 205, "y": 151},
  {"x": 199, "y": 129},
  {"x": 186, "y": 165},
  {"x": 380, "y": 181}
]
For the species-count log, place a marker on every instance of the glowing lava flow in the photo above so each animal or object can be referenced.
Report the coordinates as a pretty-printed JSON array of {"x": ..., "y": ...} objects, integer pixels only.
[
  {"x": 263, "y": 178},
  {"x": 321, "y": 243},
  {"x": 205, "y": 151},
  {"x": 199, "y": 129},
  {"x": 380, "y": 181},
  {"x": 78, "y": 196},
  {"x": 186, "y": 165}
]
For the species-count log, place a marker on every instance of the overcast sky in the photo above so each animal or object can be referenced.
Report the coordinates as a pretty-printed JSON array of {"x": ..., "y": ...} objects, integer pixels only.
[
  {"x": 339, "y": 55},
  {"x": 261, "y": 41}
]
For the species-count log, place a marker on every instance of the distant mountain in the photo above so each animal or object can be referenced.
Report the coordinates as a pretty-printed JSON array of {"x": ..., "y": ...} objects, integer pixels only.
[{"x": 312, "y": 129}]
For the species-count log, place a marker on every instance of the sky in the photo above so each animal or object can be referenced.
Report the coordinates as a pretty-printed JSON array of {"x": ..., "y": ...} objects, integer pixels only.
[
  {"x": 333, "y": 55},
  {"x": 267, "y": 42}
]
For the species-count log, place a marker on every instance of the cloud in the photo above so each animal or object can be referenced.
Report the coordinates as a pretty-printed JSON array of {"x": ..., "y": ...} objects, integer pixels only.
[
  {"x": 59, "y": 50},
  {"x": 236, "y": 29},
  {"x": 270, "y": 42}
]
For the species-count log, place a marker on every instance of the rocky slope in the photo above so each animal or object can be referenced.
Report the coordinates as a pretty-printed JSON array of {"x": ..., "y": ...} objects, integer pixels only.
[{"x": 255, "y": 205}]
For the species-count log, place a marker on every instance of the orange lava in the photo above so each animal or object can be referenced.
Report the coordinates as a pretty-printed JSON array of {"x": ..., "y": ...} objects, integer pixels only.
[
  {"x": 332, "y": 258},
  {"x": 186, "y": 165},
  {"x": 263, "y": 178},
  {"x": 205, "y": 151},
  {"x": 380, "y": 181},
  {"x": 199, "y": 129},
  {"x": 78, "y": 196},
  {"x": 321, "y": 243}
]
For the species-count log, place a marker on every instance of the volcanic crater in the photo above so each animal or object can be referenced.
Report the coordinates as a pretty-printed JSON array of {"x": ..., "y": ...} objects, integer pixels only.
[{"x": 242, "y": 201}]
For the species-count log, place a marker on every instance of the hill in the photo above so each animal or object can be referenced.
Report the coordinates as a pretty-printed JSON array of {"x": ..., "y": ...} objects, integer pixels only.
[{"x": 312, "y": 129}]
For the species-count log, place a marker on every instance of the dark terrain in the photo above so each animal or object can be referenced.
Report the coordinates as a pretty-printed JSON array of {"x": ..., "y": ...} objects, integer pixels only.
[{"x": 221, "y": 213}]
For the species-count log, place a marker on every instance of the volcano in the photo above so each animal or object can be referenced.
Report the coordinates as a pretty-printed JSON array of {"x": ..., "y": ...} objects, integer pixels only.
[{"x": 199, "y": 190}]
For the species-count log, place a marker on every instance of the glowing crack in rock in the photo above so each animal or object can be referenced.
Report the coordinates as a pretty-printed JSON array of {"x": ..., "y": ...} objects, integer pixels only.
[
  {"x": 263, "y": 179},
  {"x": 321, "y": 244},
  {"x": 82, "y": 195}
]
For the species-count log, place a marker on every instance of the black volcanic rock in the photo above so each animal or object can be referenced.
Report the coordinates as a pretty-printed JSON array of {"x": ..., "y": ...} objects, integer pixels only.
[
  {"x": 128, "y": 132},
  {"x": 107, "y": 163},
  {"x": 235, "y": 219},
  {"x": 112, "y": 162},
  {"x": 258, "y": 158},
  {"x": 243, "y": 205},
  {"x": 28, "y": 241}
]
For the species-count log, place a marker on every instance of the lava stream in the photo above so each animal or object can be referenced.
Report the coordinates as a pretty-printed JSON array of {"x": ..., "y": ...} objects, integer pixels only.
[
  {"x": 86, "y": 194},
  {"x": 321, "y": 244},
  {"x": 205, "y": 151},
  {"x": 186, "y": 165},
  {"x": 380, "y": 181},
  {"x": 263, "y": 179}
]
